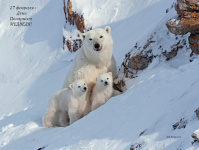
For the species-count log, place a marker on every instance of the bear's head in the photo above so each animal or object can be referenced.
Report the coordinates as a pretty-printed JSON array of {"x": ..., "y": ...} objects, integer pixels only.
[
  {"x": 97, "y": 40},
  {"x": 78, "y": 87},
  {"x": 105, "y": 80}
]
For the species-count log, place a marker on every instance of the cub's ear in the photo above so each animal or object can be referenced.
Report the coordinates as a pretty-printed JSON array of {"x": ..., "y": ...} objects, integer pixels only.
[
  {"x": 70, "y": 86},
  {"x": 82, "y": 36},
  {"x": 110, "y": 73},
  {"x": 108, "y": 29}
]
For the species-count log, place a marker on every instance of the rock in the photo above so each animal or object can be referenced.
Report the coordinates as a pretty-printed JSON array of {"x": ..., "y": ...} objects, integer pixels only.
[
  {"x": 195, "y": 136},
  {"x": 188, "y": 5},
  {"x": 139, "y": 62},
  {"x": 77, "y": 20},
  {"x": 194, "y": 43},
  {"x": 183, "y": 26},
  {"x": 136, "y": 146},
  {"x": 187, "y": 21},
  {"x": 74, "y": 45},
  {"x": 174, "y": 51},
  {"x": 41, "y": 148},
  {"x": 197, "y": 112},
  {"x": 186, "y": 14},
  {"x": 142, "y": 132},
  {"x": 171, "y": 54},
  {"x": 180, "y": 124}
]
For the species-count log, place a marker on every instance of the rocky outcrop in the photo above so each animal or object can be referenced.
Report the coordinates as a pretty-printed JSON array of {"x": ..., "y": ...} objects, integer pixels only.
[
  {"x": 195, "y": 136},
  {"x": 194, "y": 42},
  {"x": 174, "y": 51},
  {"x": 139, "y": 62},
  {"x": 136, "y": 146},
  {"x": 180, "y": 124},
  {"x": 187, "y": 21},
  {"x": 74, "y": 19},
  {"x": 197, "y": 112}
]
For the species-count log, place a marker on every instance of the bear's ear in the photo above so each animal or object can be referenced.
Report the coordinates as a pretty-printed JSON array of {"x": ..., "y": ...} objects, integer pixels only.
[
  {"x": 108, "y": 29},
  {"x": 82, "y": 36},
  {"x": 70, "y": 86},
  {"x": 110, "y": 73}
]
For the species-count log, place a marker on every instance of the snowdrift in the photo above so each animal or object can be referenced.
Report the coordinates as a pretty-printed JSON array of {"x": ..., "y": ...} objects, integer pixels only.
[{"x": 33, "y": 66}]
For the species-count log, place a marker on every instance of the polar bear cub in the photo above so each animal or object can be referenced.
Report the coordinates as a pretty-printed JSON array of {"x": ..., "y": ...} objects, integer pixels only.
[
  {"x": 102, "y": 91},
  {"x": 68, "y": 104}
]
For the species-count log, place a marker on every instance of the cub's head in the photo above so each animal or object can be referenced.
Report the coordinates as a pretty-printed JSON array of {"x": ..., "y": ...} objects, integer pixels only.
[
  {"x": 79, "y": 87},
  {"x": 105, "y": 80},
  {"x": 97, "y": 40}
]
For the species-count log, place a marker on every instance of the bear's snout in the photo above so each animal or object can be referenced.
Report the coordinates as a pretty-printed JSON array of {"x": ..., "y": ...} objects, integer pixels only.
[
  {"x": 85, "y": 89},
  {"x": 105, "y": 83},
  {"x": 97, "y": 47}
]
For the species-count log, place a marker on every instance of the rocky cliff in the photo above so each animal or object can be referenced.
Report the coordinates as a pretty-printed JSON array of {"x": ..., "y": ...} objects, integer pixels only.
[
  {"x": 186, "y": 21},
  {"x": 76, "y": 20}
]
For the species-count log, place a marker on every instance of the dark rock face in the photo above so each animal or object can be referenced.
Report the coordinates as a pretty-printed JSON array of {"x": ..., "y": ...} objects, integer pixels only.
[
  {"x": 139, "y": 62},
  {"x": 188, "y": 5},
  {"x": 197, "y": 112},
  {"x": 187, "y": 21},
  {"x": 195, "y": 137},
  {"x": 73, "y": 19},
  {"x": 136, "y": 146},
  {"x": 194, "y": 43},
  {"x": 183, "y": 26}
]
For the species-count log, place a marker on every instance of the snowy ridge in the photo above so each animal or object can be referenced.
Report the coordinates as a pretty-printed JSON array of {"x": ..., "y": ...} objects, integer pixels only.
[
  {"x": 33, "y": 66},
  {"x": 101, "y": 12}
]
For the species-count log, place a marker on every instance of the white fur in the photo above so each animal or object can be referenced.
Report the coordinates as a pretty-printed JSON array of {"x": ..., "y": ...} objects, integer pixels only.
[
  {"x": 102, "y": 92},
  {"x": 89, "y": 63},
  {"x": 70, "y": 104}
]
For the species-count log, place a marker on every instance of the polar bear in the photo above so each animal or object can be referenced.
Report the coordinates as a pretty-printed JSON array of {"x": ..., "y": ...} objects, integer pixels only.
[
  {"x": 70, "y": 104},
  {"x": 102, "y": 91},
  {"x": 94, "y": 58}
]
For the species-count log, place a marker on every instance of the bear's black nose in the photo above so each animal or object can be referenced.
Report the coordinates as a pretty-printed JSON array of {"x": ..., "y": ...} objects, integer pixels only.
[
  {"x": 85, "y": 88},
  {"x": 106, "y": 83},
  {"x": 97, "y": 46}
]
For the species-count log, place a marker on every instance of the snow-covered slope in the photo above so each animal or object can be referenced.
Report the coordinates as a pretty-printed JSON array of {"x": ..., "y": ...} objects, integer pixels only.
[{"x": 33, "y": 66}]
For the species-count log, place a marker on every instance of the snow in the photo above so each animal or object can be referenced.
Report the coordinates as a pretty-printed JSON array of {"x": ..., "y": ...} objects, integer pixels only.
[
  {"x": 197, "y": 132},
  {"x": 33, "y": 66},
  {"x": 101, "y": 12}
]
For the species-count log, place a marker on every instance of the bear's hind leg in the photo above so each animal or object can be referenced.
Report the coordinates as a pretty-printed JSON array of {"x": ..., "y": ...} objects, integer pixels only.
[
  {"x": 50, "y": 114},
  {"x": 48, "y": 118}
]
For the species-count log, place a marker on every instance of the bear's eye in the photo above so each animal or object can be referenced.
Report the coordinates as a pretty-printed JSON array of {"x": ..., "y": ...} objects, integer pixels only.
[
  {"x": 101, "y": 80},
  {"x": 107, "y": 78},
  {"x": 90, "y": 39},
  {"x": 101, "y": 36},
  {"x": 78, "y": 86},
  {"x": 84, "y": 83}
]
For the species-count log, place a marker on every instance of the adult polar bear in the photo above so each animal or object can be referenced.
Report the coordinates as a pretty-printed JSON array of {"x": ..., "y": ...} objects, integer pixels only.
[{"x": 94, "y": 58}]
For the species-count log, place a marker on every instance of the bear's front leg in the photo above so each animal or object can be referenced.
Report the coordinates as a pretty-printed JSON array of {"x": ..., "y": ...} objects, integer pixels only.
[
  {"x": 63, "y": 119},
  {"x": 73, "y": 113},
  {"x": 73, "y": 116}
]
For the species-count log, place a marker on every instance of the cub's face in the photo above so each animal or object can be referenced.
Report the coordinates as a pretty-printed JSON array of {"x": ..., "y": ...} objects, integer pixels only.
[
  {"x": 97, "y": 40},
  {"x": 79, "y": 87},
  {"x": 105, "y": 80}
]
